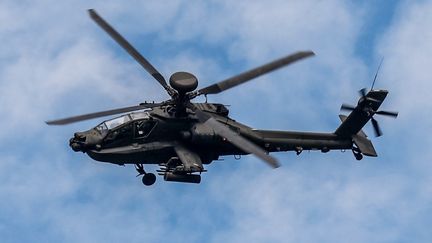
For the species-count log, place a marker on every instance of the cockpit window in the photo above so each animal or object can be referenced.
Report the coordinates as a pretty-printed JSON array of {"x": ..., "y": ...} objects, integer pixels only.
[
  {"x": 143, "y": 128},
  {"x": 115, "y": 122},
  {"x": 101, "y": 127},
  {"x": 111, "y": 124},
  {"x": 139, "y": 115}
]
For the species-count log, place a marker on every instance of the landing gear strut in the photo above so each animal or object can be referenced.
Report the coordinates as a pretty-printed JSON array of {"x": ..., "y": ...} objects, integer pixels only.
[{"x": 148, "y": 178}]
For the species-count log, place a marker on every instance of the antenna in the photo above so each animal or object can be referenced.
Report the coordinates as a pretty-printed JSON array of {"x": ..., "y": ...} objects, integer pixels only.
[{"x": 376, "y": 74}]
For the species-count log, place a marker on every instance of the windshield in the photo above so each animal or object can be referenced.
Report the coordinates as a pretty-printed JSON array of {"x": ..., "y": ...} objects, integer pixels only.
[
  {"x": 101, "y": 127},
  {"x": 115, "y": 122},
  {"x": 139, "y": 115}
]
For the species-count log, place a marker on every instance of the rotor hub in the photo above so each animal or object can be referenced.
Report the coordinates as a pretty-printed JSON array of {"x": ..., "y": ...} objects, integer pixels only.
[{"x": 183, "y": 82}]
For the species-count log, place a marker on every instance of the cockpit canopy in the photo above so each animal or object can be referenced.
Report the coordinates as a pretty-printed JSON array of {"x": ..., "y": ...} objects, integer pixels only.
[{"x": 118, "y": 121}]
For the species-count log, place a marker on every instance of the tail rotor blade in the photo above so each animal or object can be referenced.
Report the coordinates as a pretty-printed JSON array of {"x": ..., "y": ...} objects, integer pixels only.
[
  {"x": 347, "y": 107},
  {"x": 387, "y": 113},
  {"x": 376, "y": 127},
  {"x": 363, "y": 92}
]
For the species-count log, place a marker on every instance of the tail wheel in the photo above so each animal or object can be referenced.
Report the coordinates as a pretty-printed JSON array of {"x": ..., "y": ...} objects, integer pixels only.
[
  {"x": 357, "y": 153},
  {"x": 358, "y": 156}
]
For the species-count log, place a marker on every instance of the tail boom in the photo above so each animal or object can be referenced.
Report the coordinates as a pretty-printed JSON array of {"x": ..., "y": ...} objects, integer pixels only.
[{"x": 276, "y": 141}]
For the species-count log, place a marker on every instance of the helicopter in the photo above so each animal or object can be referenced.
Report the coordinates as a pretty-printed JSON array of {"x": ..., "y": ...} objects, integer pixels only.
[{"x": 182, "y": 136}]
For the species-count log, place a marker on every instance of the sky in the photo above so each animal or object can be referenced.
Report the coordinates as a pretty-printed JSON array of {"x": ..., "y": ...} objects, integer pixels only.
[{"x": 55, "y": 62}]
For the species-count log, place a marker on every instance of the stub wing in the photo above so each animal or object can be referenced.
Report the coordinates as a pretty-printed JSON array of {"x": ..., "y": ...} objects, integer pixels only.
[{"x": 190, "y": 160}]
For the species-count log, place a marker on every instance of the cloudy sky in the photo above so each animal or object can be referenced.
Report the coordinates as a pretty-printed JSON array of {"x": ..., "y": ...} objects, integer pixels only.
[{"x": 55, "y": 62}]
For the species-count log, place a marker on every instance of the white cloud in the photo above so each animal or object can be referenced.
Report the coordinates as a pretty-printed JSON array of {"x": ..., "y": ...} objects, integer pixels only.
[{"x": 407, "y": 47}]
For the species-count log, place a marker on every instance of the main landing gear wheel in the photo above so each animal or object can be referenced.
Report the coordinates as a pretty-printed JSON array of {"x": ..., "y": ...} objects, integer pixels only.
[{"x": 148, "y": 179}]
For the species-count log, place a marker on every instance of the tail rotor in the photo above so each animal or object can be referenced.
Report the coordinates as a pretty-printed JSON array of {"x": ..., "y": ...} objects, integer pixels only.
[{"x": 368, "y": 105}]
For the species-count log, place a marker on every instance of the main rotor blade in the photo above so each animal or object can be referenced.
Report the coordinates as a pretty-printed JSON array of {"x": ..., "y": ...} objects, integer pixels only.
[
  {"x": 376, "y": 127},
  {"x": 89, "y": 116},
  {"x": 235, "y": 138},
  {"x": 131, "y": 50},
  {"x": 387, "y": 113},
  {"x": 253, "y": 73}
]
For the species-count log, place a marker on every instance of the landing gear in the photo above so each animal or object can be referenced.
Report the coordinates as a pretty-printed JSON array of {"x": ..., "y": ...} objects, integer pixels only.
[
  {"x": 358, "y": 157},
  {"x": 148, "y": 179},
  {"x": 357, "y": 154}
]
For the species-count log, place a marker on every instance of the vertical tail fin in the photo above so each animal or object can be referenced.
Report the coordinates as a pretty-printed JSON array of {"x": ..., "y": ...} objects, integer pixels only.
[
  {"x": 367, "y": 106},
  {"x": 360, "y": 139}
]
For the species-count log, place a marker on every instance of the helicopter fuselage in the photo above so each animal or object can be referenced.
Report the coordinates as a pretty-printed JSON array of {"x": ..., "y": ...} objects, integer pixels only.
[{"x": 150, "y": 137}]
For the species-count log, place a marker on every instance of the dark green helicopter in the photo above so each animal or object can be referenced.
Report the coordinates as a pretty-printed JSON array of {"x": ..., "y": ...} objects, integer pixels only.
[{"x": 181, "y": 136}]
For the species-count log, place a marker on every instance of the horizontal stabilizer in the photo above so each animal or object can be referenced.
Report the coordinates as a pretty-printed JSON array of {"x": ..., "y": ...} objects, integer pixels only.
[{"x": 364, "y": 145}]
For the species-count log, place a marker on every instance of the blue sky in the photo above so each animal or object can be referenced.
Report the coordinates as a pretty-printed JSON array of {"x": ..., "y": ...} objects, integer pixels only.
[{"x": 55, "y": 62}]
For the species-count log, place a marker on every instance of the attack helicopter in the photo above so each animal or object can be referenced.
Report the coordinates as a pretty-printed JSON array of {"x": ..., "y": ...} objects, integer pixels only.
[{"x": 182, "y": 136}]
